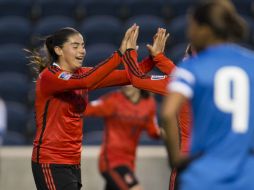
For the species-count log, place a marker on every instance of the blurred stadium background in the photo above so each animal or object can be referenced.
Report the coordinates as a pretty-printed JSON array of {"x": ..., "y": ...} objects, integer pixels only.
[{"x": 102, "y": 22}]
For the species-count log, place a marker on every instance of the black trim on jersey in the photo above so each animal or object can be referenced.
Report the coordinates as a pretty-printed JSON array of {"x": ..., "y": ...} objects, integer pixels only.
[
  {"x": 133, "y": 67},
  {"x": 119, "y": 53},
  {"x": 53, "y": 69},
  {"x": 128, "y": 55},
  {"x": 43, "y": 129}
]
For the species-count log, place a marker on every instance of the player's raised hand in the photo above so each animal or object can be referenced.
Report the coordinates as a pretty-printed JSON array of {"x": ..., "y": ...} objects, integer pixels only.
[
  {"x": 132, "y": 41},
  {"x": 128, "y": 32},
  {"x": 159, "y": 42}
]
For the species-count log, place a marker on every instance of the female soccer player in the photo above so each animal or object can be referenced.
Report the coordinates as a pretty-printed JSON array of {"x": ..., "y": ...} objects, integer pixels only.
[
  {"x": 126, "y": 113},
  {"x": 220, "y": 84},
  {"x": 157, "y": 84},
  {"x": 61, "y": 97}
]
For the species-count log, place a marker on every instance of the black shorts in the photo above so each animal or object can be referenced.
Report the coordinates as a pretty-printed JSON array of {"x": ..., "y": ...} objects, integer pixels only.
[
  {"x": 119, "y": 178},
  {"x": 57, "y": 176}
]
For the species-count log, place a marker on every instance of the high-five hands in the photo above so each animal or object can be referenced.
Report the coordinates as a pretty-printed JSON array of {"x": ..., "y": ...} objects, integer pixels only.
[
  {"x": 127, "y": 35},
  {"x": 132, "y": 41},
  {"x": 159, "y": 41}
]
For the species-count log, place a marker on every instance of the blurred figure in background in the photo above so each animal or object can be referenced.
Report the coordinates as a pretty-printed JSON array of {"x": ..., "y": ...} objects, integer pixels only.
[
  {"x": 219, "y": 81},
  {"x": 3, "y": 120},
  {"x": 126, "y": 113}
]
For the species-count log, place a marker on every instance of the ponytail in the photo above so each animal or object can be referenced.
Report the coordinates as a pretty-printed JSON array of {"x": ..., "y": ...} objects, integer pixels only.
[{"x": 38, "y": 60}]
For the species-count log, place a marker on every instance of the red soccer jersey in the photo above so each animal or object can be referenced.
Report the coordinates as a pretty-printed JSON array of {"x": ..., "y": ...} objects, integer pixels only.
[
  {"x": 61, "y": 98},
  {"x": 158, "y": 84},
  {"x": 124, "y": 122}
]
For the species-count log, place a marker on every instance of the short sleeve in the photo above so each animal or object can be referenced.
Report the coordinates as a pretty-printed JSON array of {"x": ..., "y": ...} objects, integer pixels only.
[{"x": 183, "y": 80}]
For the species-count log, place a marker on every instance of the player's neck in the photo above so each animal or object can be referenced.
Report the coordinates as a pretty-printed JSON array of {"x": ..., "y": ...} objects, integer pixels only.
[{"x": 134, "y": 98}]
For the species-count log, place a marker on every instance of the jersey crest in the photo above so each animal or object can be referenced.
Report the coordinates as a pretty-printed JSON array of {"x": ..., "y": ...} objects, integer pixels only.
[{"x": 64, "y": 76}]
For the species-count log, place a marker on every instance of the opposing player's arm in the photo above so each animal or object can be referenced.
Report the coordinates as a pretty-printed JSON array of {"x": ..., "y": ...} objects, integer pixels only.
[
  {"x": 55, "y": 81},
  {"x": 180, "y": 89},
  {"x": 170, "y": 109}
]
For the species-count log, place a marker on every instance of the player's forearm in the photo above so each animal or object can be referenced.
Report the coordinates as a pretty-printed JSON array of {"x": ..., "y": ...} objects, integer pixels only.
[
  {"x": 101, "y": 71},
  {"x": 146, "y": 64},
  {"x": 115, "y": 78},
  {"x": 172, "y": 140},
  {"x": 163, "y": 63}
]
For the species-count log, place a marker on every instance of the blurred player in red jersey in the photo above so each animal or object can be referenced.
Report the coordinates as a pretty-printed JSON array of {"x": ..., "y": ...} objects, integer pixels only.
[
  {"x": 126, "y": 113},
  {"x": 158, "y": 84},
  {"x": 61, "y": 97}
]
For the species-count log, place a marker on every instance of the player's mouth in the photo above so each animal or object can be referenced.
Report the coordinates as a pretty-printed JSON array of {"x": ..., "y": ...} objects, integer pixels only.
[{"x": 80, "y": 58}]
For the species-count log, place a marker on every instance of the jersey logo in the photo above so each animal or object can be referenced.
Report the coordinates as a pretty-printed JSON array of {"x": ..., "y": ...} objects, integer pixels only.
[
  {"x": 64, "y": 76},
  {"x": 158, "y": 77}
]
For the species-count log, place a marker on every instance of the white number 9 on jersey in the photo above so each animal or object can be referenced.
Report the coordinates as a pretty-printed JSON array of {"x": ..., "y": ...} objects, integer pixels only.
[{"x": 231, "y": 95}]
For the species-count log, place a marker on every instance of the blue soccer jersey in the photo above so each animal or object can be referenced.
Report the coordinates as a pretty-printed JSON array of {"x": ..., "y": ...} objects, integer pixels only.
[{"x": 220, "y": 84}]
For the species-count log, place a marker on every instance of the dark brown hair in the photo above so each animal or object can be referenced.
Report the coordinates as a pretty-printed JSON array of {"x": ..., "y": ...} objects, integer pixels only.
[
  {"x": 145, "y": 94},
  {"x": 222, "y": 18},
  {"x": 45, "y": 56}
]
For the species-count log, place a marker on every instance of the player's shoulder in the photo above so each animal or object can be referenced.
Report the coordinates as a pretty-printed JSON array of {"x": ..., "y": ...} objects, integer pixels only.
[
  {"x": 247, "y": 53},
  {"x": 189, "y": 63},
  {"x": 49, "y": 71}
]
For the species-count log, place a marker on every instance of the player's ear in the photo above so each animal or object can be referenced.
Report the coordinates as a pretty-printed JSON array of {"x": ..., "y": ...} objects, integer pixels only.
[{"x": 58, "y": 50}]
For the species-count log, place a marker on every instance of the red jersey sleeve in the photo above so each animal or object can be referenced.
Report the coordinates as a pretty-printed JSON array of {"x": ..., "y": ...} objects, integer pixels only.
[
  {"x": 102, "y": 107},
  {"x": 115, "y": 78},
  {"x": 153, "y": 83},
  {"x": 163, "y": 63},
  {"x": 146, "y": 64},
  {"x": 55, "y": 80},
  {"x": 152, "y": 126}
]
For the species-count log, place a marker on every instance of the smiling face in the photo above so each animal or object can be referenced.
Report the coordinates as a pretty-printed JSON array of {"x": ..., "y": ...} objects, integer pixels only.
[{"x": 71, "y": 54}]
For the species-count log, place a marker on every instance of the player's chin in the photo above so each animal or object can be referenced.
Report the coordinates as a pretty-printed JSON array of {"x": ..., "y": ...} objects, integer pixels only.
[{"x": 79, "y": 63}]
